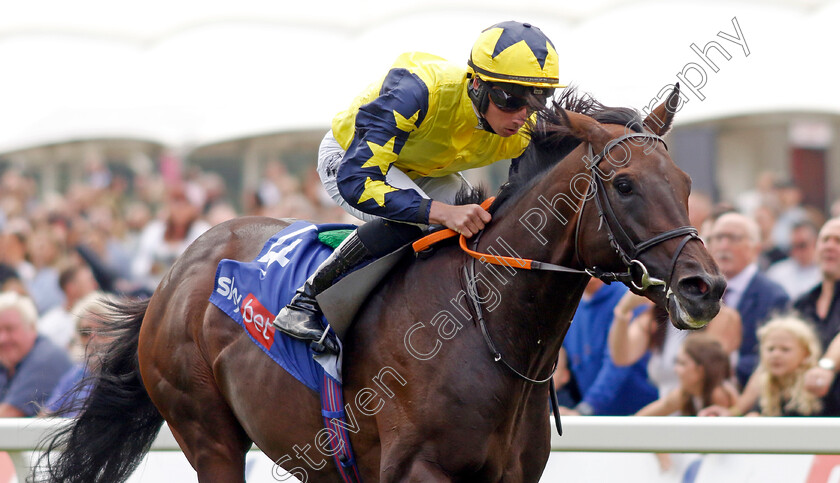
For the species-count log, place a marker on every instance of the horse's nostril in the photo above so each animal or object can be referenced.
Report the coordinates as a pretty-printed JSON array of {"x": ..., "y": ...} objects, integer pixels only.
[{"x": 695, "y": 287}]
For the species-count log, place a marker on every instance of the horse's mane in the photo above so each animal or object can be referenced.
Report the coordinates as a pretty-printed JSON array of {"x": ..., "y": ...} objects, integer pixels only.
[{"x": 552, "y": 140}]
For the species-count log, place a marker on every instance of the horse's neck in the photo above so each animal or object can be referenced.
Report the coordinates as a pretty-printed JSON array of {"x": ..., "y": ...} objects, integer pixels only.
[{"x": 535, "y": 307}]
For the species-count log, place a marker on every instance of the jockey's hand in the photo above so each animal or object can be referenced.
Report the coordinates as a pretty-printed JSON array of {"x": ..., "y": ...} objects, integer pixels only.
[{"x": 465, "y": 219}]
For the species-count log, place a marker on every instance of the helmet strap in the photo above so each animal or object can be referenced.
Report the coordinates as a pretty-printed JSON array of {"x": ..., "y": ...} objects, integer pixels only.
[{"x": 479, "y": 95}]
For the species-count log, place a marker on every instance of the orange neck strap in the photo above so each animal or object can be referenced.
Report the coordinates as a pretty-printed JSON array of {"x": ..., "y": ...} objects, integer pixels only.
[
  {"x": 513, "y": 262},
  {"x": 438, "y": 236}
]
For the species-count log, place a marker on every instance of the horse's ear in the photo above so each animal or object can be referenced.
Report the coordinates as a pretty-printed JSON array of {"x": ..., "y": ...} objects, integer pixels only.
[
  {"x": 659, "y": 121},
  {"x": 585, "y": 128}
]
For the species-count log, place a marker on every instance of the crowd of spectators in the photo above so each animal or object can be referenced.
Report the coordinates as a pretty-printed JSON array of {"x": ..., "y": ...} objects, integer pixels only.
[
  {"x": 774, "y": 348},
  {"x": 63, "y": 254},
  {"x": 778, "y": 332}
]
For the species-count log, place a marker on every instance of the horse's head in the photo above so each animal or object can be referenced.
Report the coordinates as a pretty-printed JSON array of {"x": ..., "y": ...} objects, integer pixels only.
[{"x": 635, "y": 217}]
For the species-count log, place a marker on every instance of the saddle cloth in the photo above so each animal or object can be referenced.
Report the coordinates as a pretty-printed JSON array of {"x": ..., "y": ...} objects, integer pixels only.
[{"x": 251, "y": 293}]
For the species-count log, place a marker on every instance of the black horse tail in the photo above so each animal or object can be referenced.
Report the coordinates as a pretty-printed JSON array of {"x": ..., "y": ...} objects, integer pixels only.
[{"x": 117, "y": 422}]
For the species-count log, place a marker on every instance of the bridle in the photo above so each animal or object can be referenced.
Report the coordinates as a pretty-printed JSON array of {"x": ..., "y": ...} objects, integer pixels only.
[{"x": 627, "y": 250}]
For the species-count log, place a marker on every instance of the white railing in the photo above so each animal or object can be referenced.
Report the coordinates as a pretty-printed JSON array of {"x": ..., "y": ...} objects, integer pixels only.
[
  {"x": 19, "y": 437},
  {"x": 699, "y": 435}
]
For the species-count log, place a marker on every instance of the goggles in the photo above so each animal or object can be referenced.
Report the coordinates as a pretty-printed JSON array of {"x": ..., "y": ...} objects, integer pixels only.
[{"x": 506, "y": 101}]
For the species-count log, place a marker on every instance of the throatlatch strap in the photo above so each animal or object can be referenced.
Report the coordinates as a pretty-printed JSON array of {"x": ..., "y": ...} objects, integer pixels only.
[{"x": 332, "y": 410}]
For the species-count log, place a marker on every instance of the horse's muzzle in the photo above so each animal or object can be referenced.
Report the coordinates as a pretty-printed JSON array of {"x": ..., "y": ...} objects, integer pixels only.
[{"x": 695, "y": 300}]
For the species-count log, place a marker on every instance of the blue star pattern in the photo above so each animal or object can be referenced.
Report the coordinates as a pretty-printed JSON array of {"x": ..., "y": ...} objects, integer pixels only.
[
  {"x": 382, "y": 128},
  {"x": 515, "y": 32}
]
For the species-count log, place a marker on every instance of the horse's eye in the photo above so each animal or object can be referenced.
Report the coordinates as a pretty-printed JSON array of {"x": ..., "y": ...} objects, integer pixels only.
[{"x": 623, "y": 186}]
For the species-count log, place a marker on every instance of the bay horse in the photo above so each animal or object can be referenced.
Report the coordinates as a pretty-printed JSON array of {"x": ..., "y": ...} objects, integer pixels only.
[{"x": 429, "y": 400}]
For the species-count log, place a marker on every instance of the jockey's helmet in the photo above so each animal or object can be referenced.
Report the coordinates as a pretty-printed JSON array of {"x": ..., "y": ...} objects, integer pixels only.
[{"x": 515, "y": 58}]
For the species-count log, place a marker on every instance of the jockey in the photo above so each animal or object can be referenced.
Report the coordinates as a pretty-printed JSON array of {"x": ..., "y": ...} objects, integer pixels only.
[{"x": 394, "y": 157}]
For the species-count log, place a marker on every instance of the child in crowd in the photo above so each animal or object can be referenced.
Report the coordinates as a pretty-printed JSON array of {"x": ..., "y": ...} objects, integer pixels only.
[
  {"x": 703, "y": 368},
  {"x": 788, "y": 348}
]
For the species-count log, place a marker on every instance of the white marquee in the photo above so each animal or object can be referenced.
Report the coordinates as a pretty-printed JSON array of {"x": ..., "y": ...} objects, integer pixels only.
[{"x": 188, "y": 73}]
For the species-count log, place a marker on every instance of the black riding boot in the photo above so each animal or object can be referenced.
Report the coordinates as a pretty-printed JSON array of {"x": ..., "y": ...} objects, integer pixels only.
[{"x": 301, "y": 319}]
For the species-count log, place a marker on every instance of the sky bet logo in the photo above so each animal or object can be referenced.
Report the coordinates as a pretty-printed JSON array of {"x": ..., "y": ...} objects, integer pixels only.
[
  {"x": 226, "y": 288},
  {"x": 255, "y": 316},
  {"x": 258, "y": 321}
]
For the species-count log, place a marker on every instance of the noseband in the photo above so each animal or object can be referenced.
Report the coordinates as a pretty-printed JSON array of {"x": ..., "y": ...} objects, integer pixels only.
[{"x": 628, "y": 251}]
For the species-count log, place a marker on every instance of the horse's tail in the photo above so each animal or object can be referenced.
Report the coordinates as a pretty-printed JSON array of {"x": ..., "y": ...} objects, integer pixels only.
[{"x": 117, "y": 423}]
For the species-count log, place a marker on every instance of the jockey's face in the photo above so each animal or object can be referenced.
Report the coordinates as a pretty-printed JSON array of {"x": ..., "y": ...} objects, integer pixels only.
[{"x": 504, "y": 123}]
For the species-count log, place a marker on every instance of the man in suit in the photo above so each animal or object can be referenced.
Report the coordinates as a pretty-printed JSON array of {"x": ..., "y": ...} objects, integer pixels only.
[{"x": 734, "y": 242}]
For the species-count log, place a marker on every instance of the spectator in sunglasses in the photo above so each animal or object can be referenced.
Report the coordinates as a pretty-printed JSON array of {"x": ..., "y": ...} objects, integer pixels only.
[{"x": 393, "y": 157}]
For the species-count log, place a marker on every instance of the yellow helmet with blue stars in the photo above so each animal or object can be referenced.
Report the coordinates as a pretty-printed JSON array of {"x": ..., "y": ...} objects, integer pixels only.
[{"x": 516, "y": 53}]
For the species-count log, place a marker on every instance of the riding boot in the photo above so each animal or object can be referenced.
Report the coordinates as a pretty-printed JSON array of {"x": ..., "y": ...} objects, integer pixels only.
[{"x": 301, "y": 319}]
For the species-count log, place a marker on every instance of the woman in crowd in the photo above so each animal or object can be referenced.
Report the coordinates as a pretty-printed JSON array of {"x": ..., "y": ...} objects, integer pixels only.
[
  {"x": 164, "y": 239},
  {"x": 639, "y": 328},
  {"x": 702, "y": 368}
]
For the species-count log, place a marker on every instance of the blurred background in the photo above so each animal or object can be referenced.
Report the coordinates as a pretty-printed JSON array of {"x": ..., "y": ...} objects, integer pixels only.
[
  {"x": 133, "y": 89},
  {"x": 129, "y": 128}
]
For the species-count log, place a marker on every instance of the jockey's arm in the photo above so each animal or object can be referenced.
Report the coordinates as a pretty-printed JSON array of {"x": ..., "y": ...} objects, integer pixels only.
[{"x": 381, "y": 129}]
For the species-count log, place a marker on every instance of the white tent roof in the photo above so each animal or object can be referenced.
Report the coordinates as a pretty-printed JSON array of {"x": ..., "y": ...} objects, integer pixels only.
[{"x": 189, "y": 72}]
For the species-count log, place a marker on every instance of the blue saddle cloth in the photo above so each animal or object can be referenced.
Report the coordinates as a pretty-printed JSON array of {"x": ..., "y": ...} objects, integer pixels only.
[{"x": 252, "y": 293}]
